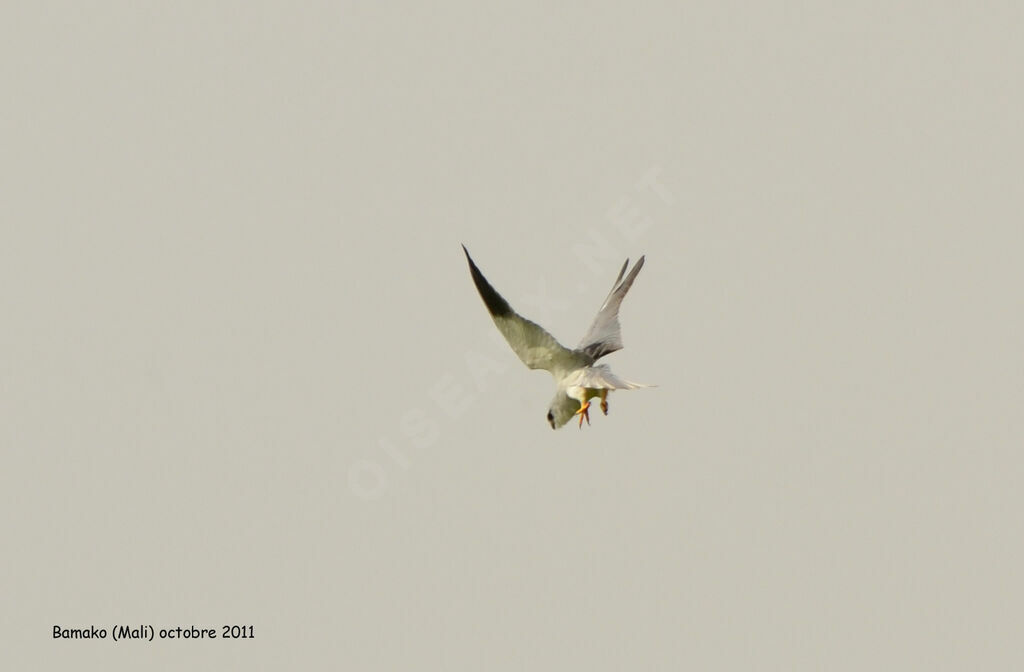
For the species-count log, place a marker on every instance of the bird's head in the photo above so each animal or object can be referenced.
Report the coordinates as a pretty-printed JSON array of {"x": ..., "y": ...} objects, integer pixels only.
[{"x": 561, "y": 409}]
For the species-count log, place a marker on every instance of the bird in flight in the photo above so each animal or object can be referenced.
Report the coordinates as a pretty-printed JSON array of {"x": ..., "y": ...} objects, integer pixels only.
[{"x": 577, "y": 377}]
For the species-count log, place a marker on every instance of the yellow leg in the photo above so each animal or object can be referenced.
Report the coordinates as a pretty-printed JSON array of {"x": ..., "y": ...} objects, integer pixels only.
[
  {"x": 584, "y": 412},
  {"x": 604, "y": 401}
]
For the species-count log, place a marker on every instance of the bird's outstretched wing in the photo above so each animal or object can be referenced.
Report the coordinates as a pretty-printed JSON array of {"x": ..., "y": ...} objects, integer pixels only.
[
  {"x": 605, "y": 334},
  {"x": 537, "y": 348}
]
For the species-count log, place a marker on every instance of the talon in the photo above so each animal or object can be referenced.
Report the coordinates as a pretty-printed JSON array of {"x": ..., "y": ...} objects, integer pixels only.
[
  {"x": 584, "y": 412},
  {"x": 604, "y": 401}
]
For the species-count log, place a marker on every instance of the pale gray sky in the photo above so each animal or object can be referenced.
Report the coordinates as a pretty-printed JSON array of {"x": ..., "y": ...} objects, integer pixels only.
[{"x": 246, "y": 378}]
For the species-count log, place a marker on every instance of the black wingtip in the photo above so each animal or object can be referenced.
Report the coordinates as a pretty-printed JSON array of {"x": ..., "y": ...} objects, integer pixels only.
[{"x": 496, "y": 305}]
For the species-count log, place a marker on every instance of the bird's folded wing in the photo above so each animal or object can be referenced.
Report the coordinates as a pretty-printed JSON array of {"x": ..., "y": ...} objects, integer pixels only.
[
  {"x": 536, "y": 347},
  {"x": 605, "y": 334}
]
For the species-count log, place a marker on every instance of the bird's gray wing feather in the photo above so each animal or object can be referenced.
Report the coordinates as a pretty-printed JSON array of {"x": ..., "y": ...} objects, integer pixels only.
[
  {"x": 536, "y": 347},
  {"x": 605, "y": 333}
]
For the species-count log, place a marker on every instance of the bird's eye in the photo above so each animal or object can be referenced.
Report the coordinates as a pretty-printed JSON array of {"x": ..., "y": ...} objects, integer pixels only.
[{"x": 550, "y": 416}]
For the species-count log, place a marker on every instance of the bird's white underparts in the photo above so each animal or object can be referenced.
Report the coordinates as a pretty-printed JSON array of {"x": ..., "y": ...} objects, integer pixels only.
[{"x": 577, "y": 377}]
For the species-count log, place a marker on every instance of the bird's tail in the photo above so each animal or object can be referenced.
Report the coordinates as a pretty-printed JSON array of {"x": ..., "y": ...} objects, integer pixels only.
[{"x": 601, "y": 376}]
